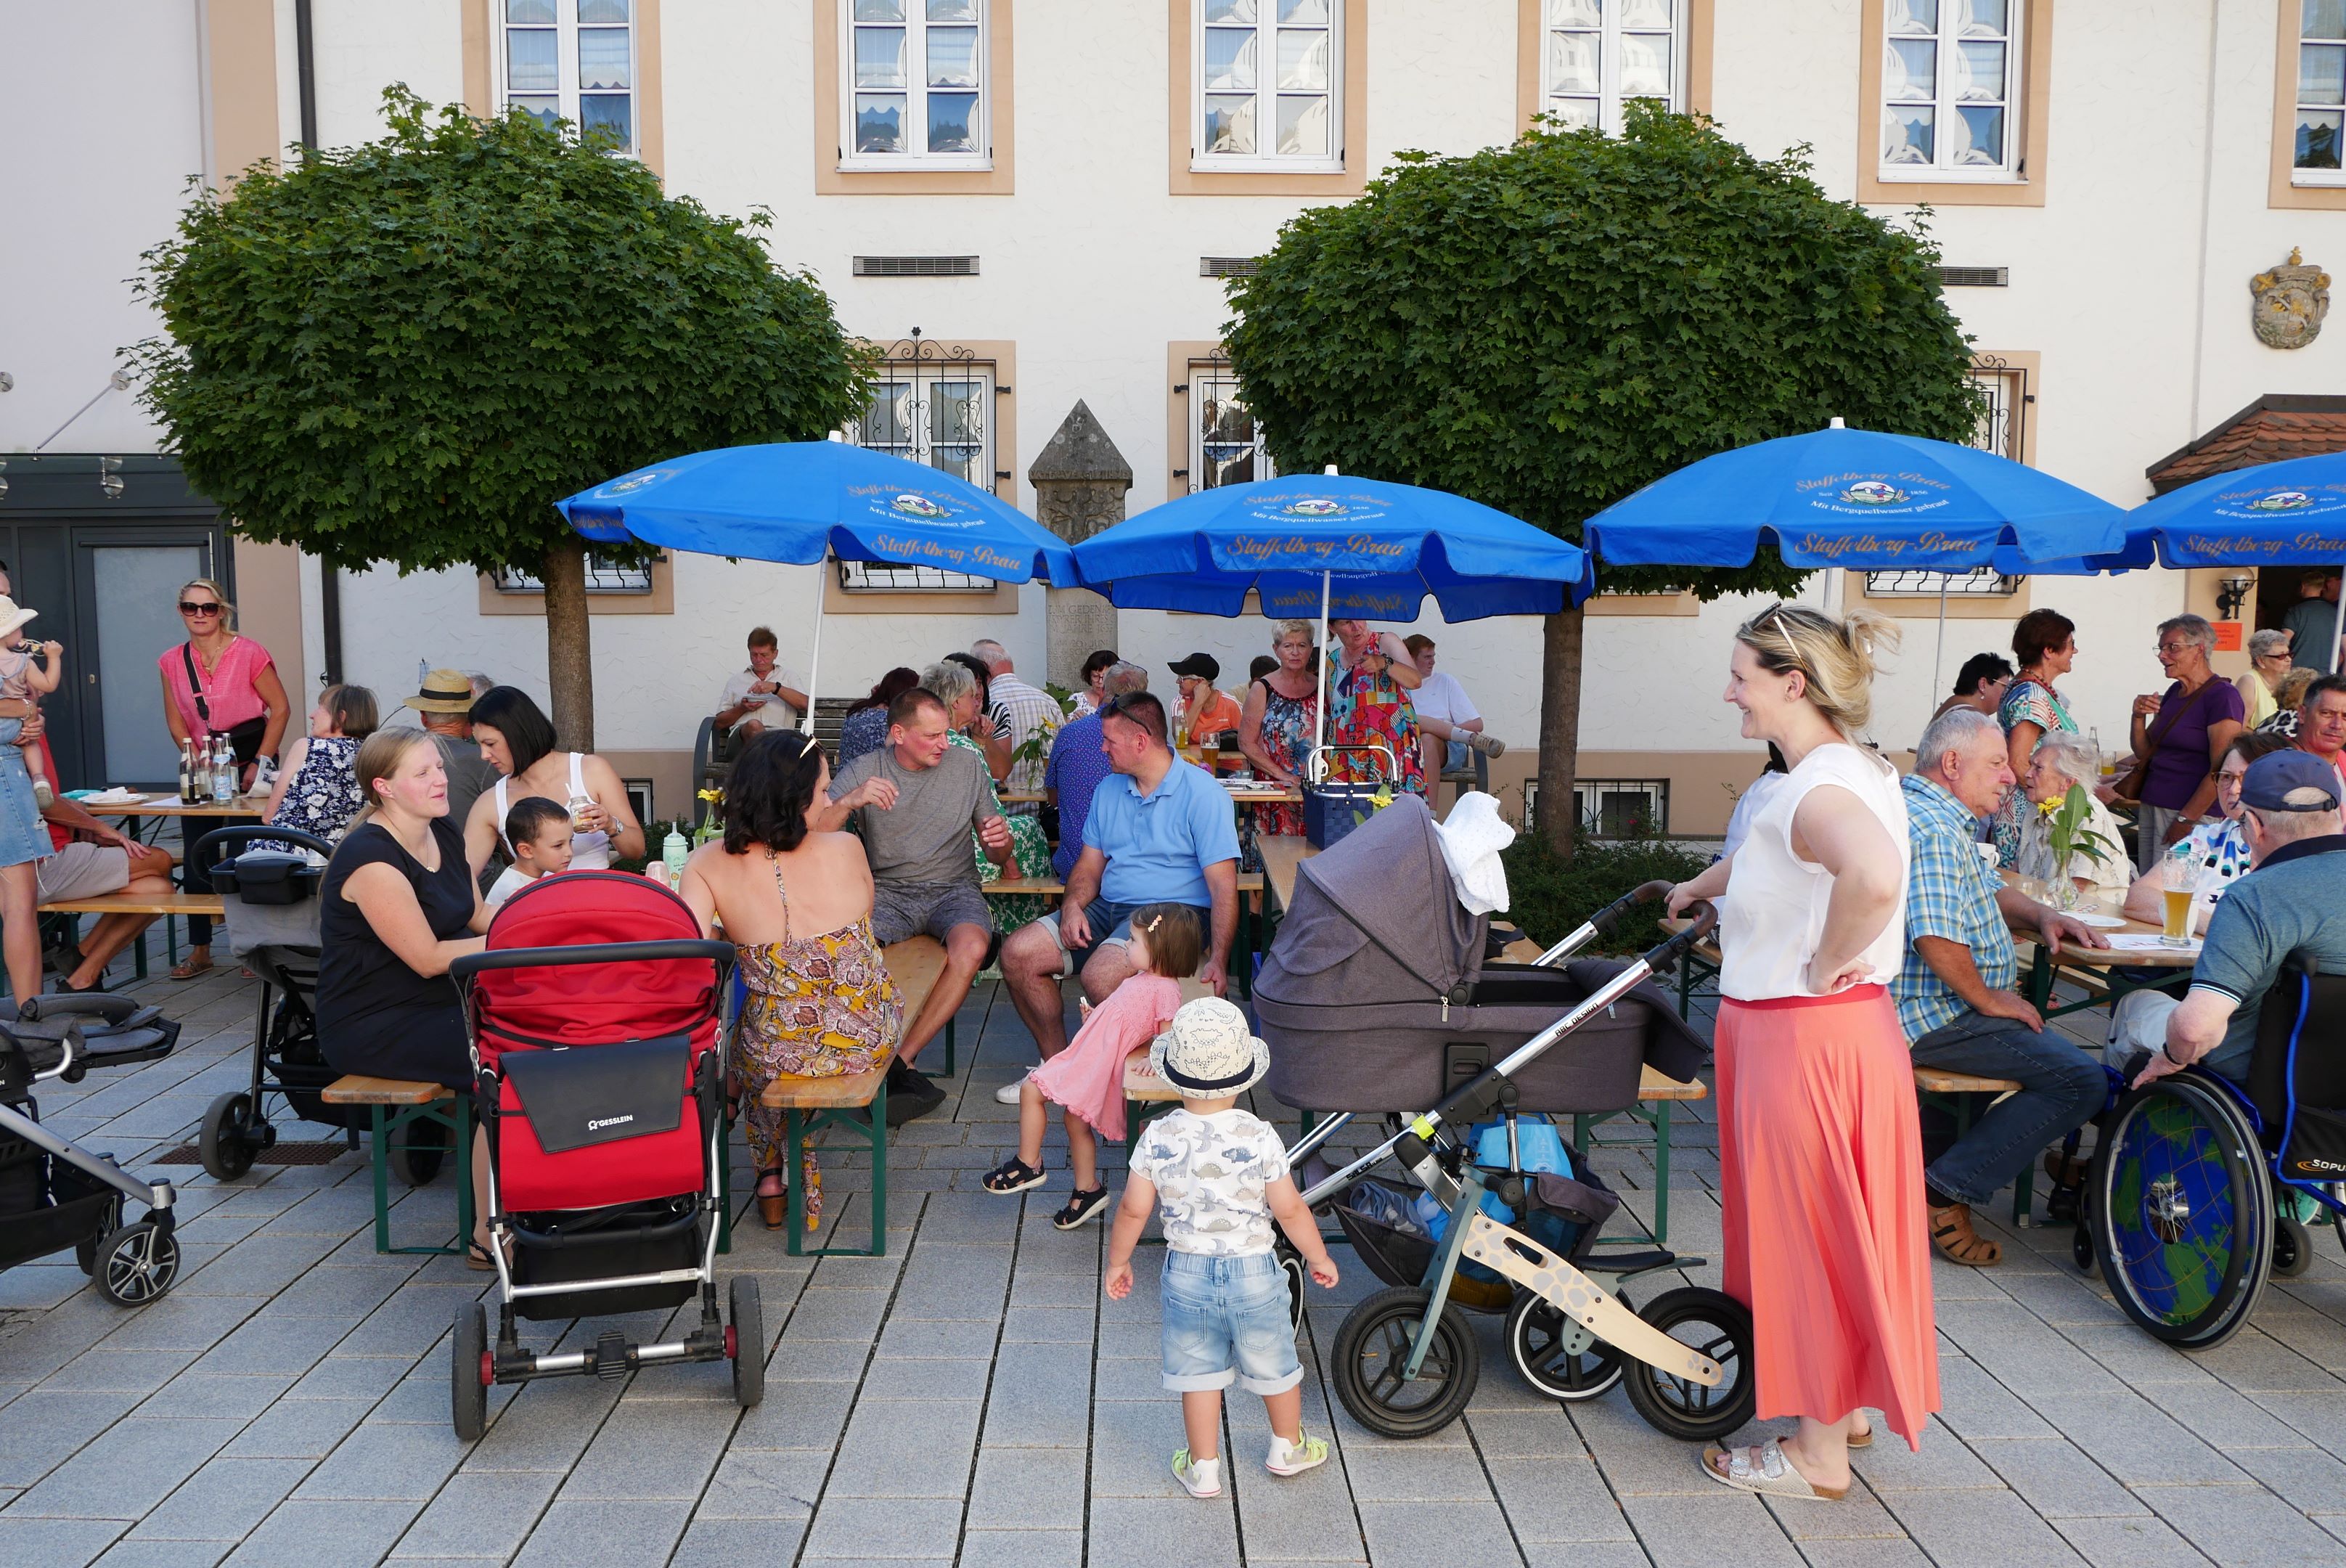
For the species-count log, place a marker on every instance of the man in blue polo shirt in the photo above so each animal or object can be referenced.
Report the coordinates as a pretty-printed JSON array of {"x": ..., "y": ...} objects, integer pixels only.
[
  {"x": 1077, "y": 766},
  {"x": 1160, "y": 831},
  {"x": 2292, "y": 901}
]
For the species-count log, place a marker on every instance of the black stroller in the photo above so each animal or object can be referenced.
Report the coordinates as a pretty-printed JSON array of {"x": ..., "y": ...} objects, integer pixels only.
[
  {"x": 1377, "y": 998},
  {"x": 54, "y": 1193},
  {"x": 270, "y": 900}
]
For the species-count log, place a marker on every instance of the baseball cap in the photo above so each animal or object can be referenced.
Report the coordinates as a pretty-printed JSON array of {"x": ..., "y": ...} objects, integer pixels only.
[
  {"x": 2273, "y": 778},
  {"x": 1204, "y": 667}
]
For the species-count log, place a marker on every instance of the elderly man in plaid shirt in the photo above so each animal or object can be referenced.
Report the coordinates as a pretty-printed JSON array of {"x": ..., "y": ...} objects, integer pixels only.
[
  {"x": 1955, "y": 997},
  {"x": 1019, "y": 711}
]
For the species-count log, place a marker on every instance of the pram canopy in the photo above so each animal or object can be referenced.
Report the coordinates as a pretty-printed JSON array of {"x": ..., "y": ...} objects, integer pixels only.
[
  {"x": 592, "y": 1004},
  {"x": 1376, "y": 991}
]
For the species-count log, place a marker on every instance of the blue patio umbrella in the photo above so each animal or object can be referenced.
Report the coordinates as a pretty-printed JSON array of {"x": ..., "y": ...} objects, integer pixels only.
[
  {"x": 1334, "y": 544},
  {"x": 1862, "y": 499},
  {"x": 2287, "y": 513},
  {"x": 800, "y": 502}
]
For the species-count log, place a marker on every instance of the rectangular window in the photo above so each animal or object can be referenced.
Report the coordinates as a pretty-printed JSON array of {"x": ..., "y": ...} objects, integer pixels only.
[
  {"x": 1267, "y": 86},
  {"x": 572, "y": 60},
  {"x": 1225, "y": 442},
  {"x": 2321, "y": 93},
  {"x": 2002, "y": 430},
  {"x": 603, "y": 576},
  {"x": 1597, "y": 54},
  {"x": 938, "y": 411},
  {"x": 914, "y": 92},
  {"x": 1612, "y": 808},
  {"x": 1949, "y": 87}
]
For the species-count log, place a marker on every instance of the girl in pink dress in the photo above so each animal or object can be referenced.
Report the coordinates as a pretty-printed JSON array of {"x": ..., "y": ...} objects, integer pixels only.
[{"x": 1086, "y": 1079}]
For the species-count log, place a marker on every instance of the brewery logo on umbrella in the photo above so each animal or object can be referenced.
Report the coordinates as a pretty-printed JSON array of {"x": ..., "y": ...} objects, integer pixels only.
[
  {"x": 634, "y": 481},
  {"x": 920, "y": 507},
  {"x": 1873, "y": 493},
  {"x": 1315, "y": 506},
  {"x": 2282, "y": 501}
]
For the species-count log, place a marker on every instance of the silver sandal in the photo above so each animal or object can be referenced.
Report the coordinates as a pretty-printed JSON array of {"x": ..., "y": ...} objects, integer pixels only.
[{"x": 1764, "y": 1470}]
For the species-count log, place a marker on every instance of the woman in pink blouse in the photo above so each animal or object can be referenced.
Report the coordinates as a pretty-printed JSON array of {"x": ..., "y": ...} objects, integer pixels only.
[{"x": 218, "y": 682}]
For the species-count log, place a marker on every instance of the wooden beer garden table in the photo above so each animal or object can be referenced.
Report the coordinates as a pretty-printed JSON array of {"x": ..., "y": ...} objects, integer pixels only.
[{"x": 137, "y": 813}]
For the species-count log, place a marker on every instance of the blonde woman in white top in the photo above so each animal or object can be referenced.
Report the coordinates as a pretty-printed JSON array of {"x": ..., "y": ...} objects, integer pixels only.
[{"x": 1820, "y": 1158}]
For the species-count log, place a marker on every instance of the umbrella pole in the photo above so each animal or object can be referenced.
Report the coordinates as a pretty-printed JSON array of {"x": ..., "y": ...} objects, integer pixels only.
[
  {"x": 814, "y": 654},
  {"x": 2337, "y": 632},
  {"x": 1939, "y": 654},
  {"x": 1318, "y": 772}
]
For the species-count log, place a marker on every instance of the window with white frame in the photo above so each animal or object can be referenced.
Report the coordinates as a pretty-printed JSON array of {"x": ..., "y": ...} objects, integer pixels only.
[
  {"x": 1268, "y": 86},
  {"x": 938, "y": 411},
  {"x": 2002, "y": 430},
  {"x": 603, "y": 575},
  {"x": 1225, "y": 442},
  {"x": 1597, "y": 54},
  {"x": 1951, "y": 89},
  {"x": 916, "y": 89},
  {"x": 2314, "y": 156},
  {"x": 574, "y": 60}
]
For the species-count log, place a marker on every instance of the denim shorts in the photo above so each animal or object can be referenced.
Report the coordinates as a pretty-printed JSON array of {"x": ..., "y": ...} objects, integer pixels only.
[{"x": 1226, "y": 1321}]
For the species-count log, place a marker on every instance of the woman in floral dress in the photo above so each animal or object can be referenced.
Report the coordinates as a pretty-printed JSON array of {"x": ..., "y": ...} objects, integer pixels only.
[
  {"x": 796, "y": 904},
  {"x": 2045, "y": 641},
  {"x": 1370, "y": 707},
  {"x": 1275, "y": 729},
  {"x": 318, "y": 793}
]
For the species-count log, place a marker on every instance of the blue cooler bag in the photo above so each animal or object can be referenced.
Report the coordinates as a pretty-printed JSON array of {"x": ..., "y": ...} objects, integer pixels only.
[{"x": 1332, "y": 810}]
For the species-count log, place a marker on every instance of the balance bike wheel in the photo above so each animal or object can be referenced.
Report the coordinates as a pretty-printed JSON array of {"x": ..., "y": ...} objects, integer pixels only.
[
  {"x": 136, "y": 1264},
  {"x": 1541, "y": 1340},
  {"x": 1291, "y": 1270},
  {"x": 1720, "y": 1328},
  {"x": 469, "y": 1372},
  {"x": 227, "y": 1152},
  {"x": 1372, "y": 1349},
  {"x": 745, "y": 1339}
]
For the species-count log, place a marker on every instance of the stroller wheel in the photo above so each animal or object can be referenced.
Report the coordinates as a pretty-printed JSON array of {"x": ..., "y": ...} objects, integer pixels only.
[
  {"x": 745, "y": 1338},
  {"x": 136, "y": 1264},
  {"x": 470, "y": 1371},
  {"x": 1372, "y": 1349},
  {"x": 110, "y": 1220},
  {"x": 227, "y": 1150},
  {"x": 1720, "y": 1328},
  {"x": 2292, "y": 1248},
  {"x": 1292, "y": 1270},
  {"x": 1557, "y": 1356},
  {"x": 418, "y": 1160}
]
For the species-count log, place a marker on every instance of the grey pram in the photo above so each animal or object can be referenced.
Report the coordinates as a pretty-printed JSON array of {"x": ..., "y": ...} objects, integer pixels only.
[{"x": 1376, "y": 996}]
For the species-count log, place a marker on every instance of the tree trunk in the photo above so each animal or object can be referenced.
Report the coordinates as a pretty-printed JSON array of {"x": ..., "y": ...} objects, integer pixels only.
[
  {"x": 1559, "y": 732},
  {"x": 570, "y": 664}
]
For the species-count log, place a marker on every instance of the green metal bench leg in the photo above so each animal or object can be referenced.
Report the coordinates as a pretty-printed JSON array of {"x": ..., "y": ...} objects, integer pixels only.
[
  {"x": 1662, "y": 1173},
  {"x": 949, "y": 1047},
  {"x": 873, "y": 1125},
  {"x": 388, "y": 1123},
  {"x": 380, "y": 1147}
]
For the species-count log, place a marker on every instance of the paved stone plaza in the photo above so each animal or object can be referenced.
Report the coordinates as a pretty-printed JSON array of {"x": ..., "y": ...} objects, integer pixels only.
[{"x": 973, "y": 1399}]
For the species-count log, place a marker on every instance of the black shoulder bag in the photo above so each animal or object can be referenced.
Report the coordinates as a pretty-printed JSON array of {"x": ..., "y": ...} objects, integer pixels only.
[{"x": 246, "y": 736}]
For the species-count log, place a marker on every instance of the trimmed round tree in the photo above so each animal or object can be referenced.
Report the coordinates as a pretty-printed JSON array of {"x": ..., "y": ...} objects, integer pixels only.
[
  {"x": 407, "y": 352},
  {"x": 1548, "y": 327}
]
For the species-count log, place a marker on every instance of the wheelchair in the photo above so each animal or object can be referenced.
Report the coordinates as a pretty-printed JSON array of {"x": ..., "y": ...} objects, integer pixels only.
[{"x": 2193, "y": 1197}]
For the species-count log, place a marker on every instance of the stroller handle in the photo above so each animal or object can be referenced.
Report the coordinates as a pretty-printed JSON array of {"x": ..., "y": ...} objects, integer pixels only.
[
  {"x": 1602, "y": 923},
  {"x": 473, "y": 963},
  {"x": 239, "y": 837}
]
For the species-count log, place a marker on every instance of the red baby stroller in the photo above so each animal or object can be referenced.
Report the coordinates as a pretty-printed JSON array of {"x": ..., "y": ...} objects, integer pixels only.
[{"x": 596, "y": 1072}]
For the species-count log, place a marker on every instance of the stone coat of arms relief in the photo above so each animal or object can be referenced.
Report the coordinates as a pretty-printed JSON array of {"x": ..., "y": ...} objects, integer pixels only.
[{"x": 2290, "y": 302}]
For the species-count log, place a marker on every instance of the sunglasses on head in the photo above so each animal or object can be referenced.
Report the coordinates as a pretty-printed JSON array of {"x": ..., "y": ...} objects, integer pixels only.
[{"x": 189, "y": 608}]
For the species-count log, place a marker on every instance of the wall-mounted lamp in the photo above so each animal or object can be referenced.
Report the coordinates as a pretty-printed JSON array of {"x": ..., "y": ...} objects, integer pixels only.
[
  {"x": 109, "y": 478},
  {"x": 2231, "y": 593}
]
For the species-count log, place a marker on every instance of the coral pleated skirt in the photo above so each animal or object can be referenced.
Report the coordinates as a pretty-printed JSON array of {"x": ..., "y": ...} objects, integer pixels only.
[{"x": 1821, "y": 1177}]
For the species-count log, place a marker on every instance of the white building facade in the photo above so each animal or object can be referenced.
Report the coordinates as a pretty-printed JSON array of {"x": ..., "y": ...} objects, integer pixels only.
[{"x": 1046, "y": 189}]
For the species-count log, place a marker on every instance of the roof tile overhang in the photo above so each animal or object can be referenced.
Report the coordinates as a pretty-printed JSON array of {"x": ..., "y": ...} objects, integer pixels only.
[{"x": 2277, "y": 425}]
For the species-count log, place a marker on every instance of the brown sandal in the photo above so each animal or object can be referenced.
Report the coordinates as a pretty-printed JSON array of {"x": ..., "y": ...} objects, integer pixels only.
[{"x": 1957, "y": 1242}]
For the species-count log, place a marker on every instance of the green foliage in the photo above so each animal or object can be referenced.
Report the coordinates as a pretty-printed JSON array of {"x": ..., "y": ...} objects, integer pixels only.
[
  {"x": 1550, "y": 326},
  {"x": 407, "y": 350},
  {"x": 1549, "y": 895}
]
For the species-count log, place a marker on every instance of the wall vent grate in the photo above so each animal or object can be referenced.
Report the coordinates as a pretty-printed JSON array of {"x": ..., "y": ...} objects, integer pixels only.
[
  {"x": 916, "y": 267},
  {"x": 1228, "y": 266},
  {"x": 1974, "y": 277}
]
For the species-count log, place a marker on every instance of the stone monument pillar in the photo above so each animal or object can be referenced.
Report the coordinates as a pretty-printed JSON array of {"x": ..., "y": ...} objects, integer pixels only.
[{"x": 1079, "y": 482}]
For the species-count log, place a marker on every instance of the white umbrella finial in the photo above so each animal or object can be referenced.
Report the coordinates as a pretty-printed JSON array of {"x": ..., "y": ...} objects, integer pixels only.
[
  {"x": 841, "y": 436},
  {"x": 1835, "y": 423},
  {"x": 1330, "y": 470}
]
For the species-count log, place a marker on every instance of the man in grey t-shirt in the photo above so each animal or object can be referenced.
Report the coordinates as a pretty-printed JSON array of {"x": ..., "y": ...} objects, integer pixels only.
[{"x": 915, "y": 800}]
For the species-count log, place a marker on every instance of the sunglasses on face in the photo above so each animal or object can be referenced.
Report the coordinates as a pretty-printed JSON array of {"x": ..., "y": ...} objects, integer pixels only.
[{"x": 186, "y": 608}]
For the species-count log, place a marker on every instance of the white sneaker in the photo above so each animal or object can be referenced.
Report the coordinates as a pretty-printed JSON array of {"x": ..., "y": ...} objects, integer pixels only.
[
  {"x": 1008, "y": 1094},
  {"x": 1294, "y": 1458},
  {"x": 1198, "y": 1477}
]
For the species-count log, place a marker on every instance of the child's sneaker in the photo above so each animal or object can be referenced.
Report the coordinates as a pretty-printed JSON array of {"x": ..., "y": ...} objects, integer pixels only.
[
  {"x": 1082, "y": 1206},
  {"x": 42, "y": 794},
  {"x": 1201, "y": 1478},
  {"x": 1294, "y": 1458}
]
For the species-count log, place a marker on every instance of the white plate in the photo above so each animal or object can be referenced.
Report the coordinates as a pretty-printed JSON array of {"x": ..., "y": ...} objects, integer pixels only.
[{"x": 2099, "y": 922}]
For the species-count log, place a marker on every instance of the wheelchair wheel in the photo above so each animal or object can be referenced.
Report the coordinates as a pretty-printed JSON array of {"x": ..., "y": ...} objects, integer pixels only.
[
  {"x": 1719, "y": 1327},
  {"x": 2183, "y": 1214},
  {"x": 1372, "y": 1347},
  {"x": 2081, "y": 1249},
  {"x": 1557, "y": 1356},
  {"x": 2292, "y": 1248},
  {"x": 225, "y": 1144}
]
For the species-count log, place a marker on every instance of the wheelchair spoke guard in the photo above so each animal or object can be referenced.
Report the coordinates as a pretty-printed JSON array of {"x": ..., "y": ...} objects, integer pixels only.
[{"x": 2184, "y": 1213}]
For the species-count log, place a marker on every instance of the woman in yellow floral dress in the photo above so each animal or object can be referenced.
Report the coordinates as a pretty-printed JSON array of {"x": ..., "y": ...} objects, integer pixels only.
[{"x": 796, "y": 904}]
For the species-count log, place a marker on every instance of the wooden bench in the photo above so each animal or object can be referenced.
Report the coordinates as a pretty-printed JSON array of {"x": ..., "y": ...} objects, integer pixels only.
[
  {"x": 399, "y": 1103},
  {"x": 856, "y": 1103},
  {"x": 1657, "y": 1092}
]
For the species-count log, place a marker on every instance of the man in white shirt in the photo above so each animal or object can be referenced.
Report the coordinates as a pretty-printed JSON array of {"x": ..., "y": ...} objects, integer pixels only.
[
  {"x": 761, "y": 697},
  {"x": 1447, "y": 722},
  {"x": 1022, "y": 709}
]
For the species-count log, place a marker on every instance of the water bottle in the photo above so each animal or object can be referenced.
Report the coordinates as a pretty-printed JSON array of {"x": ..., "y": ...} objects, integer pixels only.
[
  {"x": 224, "y": 773},
  {"x": 673, "y": 849}
]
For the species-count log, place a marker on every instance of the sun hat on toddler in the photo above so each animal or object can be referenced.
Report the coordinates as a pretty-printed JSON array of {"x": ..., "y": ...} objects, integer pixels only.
[{"x": 1207, "y": 1051}]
